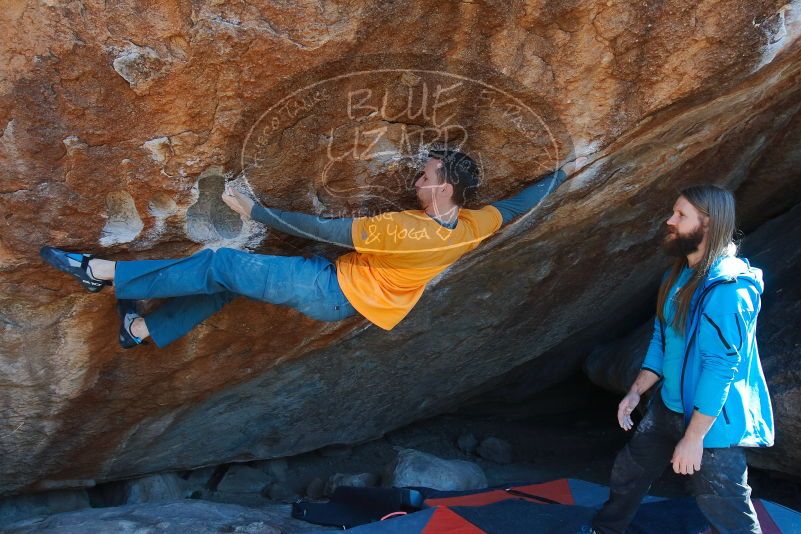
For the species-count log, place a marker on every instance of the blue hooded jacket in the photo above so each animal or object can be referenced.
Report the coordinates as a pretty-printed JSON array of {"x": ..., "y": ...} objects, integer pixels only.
[{"x": 721, "y": 373}]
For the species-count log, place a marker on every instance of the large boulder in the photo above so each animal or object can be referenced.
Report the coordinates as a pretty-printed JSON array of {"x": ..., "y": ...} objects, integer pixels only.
[{"x": 119, "y": 125}]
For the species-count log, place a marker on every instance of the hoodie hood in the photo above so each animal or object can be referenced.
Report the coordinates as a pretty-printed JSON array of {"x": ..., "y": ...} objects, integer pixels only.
[{"x": 731, "y": 268}]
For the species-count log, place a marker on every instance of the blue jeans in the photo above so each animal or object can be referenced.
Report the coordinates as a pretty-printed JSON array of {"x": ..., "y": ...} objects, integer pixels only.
[
  {"x": 199, "y": 285},
  {"x": 720, "y": 486}
]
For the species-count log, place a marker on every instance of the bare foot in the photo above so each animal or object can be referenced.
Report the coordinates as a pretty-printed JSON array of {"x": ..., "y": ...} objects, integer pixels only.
[
  {"x": 102, "y": 269},
  {"x": 139, "y": 328}
]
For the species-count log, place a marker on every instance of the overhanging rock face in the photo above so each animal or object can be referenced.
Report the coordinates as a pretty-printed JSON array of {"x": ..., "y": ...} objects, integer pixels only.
[{"x": 120, "y": 126}]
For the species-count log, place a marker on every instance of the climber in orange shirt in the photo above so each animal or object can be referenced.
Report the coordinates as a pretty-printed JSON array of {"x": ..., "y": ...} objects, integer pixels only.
[{"x": 395, "y": 255}]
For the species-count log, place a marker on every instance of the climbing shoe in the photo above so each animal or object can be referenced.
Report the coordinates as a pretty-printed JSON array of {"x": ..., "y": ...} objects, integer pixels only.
[
  {"x": 127, "y": 311},
  {"x": 75, "y": 264}
]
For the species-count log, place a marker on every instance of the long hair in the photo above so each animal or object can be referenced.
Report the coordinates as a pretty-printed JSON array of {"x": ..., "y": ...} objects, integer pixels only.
[{"x": 718, "y": 205}]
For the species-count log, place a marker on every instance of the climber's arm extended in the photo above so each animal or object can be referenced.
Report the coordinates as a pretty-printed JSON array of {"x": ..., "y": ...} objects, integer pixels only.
[
  {"x": 336, "y": 231},
  {"x": 529, "y": 197}
]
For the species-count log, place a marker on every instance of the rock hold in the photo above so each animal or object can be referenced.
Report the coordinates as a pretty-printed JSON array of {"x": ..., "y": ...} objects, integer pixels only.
[
  {"x": 159, "y": 148},
  {"x": 140, "y": 67},
  {"x": 124, "y": 223}
]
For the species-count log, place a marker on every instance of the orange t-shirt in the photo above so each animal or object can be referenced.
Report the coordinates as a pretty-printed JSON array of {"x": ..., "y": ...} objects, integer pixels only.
[{"x": 398, "y": 252}]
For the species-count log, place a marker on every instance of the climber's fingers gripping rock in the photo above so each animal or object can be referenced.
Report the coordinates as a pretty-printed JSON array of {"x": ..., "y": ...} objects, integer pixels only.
[{"x": 237, "y": 201}]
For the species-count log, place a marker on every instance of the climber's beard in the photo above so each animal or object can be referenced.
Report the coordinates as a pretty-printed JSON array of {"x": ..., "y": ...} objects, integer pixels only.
[{"x": 677, "y": 244}]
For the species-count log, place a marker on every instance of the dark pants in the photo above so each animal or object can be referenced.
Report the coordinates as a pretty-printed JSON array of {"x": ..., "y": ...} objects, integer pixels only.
[{"x": 720, "y": 487}]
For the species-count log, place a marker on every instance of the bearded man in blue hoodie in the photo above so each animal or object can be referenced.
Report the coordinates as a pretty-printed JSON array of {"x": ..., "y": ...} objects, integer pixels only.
[{"x": 713, "y": 400}]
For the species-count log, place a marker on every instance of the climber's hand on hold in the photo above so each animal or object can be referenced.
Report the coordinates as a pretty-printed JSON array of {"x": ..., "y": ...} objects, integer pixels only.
[
  {"x": 573, "y": 166},
  {"x": 237, "y": 201}
]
